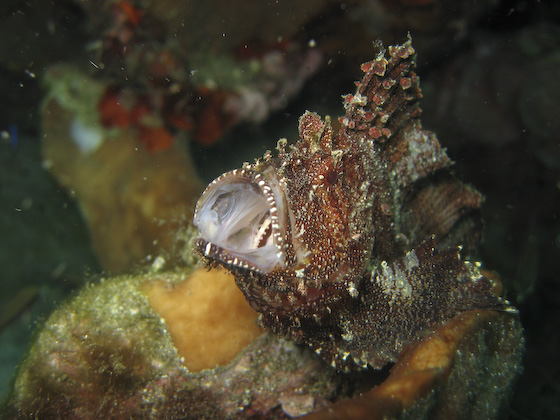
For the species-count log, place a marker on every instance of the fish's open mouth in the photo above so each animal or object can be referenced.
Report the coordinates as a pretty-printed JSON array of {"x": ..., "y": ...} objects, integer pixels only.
[{"x": 240, "y": 218}]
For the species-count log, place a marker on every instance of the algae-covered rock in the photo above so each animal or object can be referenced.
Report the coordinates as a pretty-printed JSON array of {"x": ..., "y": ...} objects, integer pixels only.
[
  {"x": 133, "y": 199},
  {"x": 135, "y": 347},
  {"x": 107, "y": 353}
]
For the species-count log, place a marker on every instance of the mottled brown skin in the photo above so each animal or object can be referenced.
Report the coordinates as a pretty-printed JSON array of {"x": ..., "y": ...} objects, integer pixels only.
[{"x": 373, "y": 224}]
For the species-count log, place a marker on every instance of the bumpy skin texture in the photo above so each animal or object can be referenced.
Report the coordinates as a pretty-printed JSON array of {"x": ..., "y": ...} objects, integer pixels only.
[{"x": 352, "y": 242}]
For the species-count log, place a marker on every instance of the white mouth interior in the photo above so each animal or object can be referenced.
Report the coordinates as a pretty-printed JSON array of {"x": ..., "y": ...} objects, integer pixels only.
[{"x": 235, "y": 216}]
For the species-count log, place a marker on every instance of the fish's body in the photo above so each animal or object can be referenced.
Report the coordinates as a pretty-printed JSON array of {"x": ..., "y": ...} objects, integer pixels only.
[{"x": 350, "y": 242}]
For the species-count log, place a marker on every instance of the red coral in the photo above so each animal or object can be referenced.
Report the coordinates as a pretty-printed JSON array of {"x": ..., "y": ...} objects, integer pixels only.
[
  {"x": 131, "y": 13},
  {"x": 156, "y": 138},
  {"x": 112, "y": 112},
  {"x": 211, "y": 121}
]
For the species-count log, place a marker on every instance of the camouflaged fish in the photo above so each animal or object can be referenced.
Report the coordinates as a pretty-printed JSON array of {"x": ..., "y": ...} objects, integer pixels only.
[{"x": 351, "y": 242}]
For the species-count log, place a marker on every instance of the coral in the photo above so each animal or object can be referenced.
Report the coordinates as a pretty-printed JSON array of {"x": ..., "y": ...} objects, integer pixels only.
[
  {"x": 76, "y": 92},
  {"x": 205, "y": 310},
  {"x": 113, "y": 113},
  {"x": 191, "y": 87},
  {"x": 134, "y": 199},
  {"x": 108, "y": 353}
]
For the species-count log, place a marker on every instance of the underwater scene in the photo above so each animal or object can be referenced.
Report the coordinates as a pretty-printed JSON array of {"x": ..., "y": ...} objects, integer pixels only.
[{"x": 280, "y": 209}]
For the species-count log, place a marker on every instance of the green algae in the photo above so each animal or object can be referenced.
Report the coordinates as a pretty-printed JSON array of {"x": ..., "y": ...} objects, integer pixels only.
[{"x": 106, "y": 341}]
